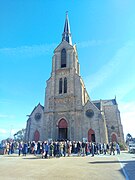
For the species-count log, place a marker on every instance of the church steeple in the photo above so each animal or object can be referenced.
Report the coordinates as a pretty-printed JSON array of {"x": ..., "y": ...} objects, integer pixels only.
[{"x": 66, "y": 34}]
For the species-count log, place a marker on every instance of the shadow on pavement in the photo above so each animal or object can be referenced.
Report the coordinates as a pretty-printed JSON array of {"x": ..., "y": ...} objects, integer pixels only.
[
  {"x": 103, "y": 162},
  {"x": 127, "y": 167},
  {"x": 11, "y": 156},
  {"x": 31, "y": 158},
  {"x": 22, "y": 157}
]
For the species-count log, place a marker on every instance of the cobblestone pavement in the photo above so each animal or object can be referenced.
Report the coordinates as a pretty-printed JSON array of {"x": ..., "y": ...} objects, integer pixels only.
[{"x": 67, "y": 168}]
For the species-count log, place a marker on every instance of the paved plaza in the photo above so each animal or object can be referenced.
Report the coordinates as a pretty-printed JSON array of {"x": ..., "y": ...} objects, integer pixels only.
[{"x": 72, "y": 168}]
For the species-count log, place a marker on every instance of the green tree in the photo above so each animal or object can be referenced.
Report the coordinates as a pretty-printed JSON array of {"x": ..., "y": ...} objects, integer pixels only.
[
  {"x": 128, "y": 138},
  {"x": 19, "y": 136}
]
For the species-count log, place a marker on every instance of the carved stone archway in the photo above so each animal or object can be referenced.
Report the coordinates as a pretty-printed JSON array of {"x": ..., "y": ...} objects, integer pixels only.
[
  {"x": 91, "y": 135},
  {"x": 62, "y": 129},
  {"x": 36, "y": 136},
  {"x": 113, "y": 137}
]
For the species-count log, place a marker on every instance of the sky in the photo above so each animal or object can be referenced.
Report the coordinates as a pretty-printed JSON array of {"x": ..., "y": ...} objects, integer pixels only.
[{"x": 104, "y": 32}]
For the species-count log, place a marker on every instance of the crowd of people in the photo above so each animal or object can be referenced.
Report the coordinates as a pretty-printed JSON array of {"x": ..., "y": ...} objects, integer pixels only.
[{"x": 61, "y": 148}]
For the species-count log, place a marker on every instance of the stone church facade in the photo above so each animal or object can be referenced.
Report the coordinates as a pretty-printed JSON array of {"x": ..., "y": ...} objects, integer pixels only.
[{"x": 68, "y": 112}]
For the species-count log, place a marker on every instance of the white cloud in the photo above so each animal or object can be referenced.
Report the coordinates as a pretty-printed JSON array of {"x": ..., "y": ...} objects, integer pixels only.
[
  {"x": 3, "y": 131},
  {"x": 85, "y": 44},
  {"x": 124, "y": 89},
  {"x": 13, "y": 131},
  {"x": 34, "y": 50},
  {"x": 7, "y": 133},
  {"x": 123, "y": 55},
  {"x": 7, "y": 116},
  {"x": 27, "y": 51},
  {"x": 128, "y": 117}
]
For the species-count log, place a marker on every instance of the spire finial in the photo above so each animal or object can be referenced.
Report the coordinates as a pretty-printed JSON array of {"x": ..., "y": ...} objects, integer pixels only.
[
  {"x": 67, "y": 15},
  {"x": 66, "y": 34}
]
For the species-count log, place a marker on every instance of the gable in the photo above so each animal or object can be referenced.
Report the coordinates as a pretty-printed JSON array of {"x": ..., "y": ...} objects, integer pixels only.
[
  {"x": 90, "y": 105},
  {"x": 63, "y": 44},
  {"x": 38, "y": 108}
]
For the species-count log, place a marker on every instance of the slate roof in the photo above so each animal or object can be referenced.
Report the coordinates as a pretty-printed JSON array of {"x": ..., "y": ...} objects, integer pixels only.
[{"x": 99, "y": 103}]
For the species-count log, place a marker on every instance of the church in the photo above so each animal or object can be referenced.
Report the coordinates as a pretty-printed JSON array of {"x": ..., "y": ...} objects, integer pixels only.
[{"x": 68, "y": 111}]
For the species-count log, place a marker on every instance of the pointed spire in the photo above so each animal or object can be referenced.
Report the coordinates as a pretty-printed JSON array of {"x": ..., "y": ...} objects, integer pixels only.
[{"x": 66, "y": 34}]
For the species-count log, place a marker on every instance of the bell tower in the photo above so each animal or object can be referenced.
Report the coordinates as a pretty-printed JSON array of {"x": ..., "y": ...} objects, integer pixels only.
[{"x": 65, "y": 92}]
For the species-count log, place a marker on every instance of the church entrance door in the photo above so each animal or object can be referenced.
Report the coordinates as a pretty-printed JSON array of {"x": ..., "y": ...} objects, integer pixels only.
[
  {"x": 36, "y": 136},
  {"x": 63, "y": 127},
  {"x": 114, "y": 138},
  {"x": 91, "y": 136}
]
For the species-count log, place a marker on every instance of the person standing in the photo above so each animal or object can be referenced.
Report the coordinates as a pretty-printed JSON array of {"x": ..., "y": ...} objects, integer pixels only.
[
  {"x": 12, "y": 147},
  {"x": 35, "y": 149},
  {"x": 55, "y": 149},
  {"x": 20, "y": 148},
  {"x": 32, "y": 147},
  {"x": 38, "y": 148},
  {"x": 25, "y": 149},
  {"x": 117, "y": 148},
  {"x": 64, "y": 148},
  {"x": 107, "y": 148},
  {"x": 75, "y": 147},
  {"x": 92, "y": 149},
  {"x": 69, "y": 147},
  {"x": 78, "y": 148},
  {"x": 112, "y": 150},
  {"x": 87, "y": 148},
  {"x": 46, "y": 149},
  {"x": 51, "y": 149},
  {"x": 104, "y": 148},
  {"x": 61, "y": 148},
  {"x": 83, "y": 148},
  {"x": 43, "y": 149}
]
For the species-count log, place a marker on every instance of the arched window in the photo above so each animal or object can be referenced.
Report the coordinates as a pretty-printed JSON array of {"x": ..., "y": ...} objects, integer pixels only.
[
  {"x": 65, "y": 85},
  {"x": 60, "y": 86},
  {"x": 63, "y": 58}
]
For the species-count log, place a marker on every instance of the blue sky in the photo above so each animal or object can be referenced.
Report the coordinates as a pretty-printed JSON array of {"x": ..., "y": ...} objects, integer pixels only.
[{"x": 104, "y": 32}]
